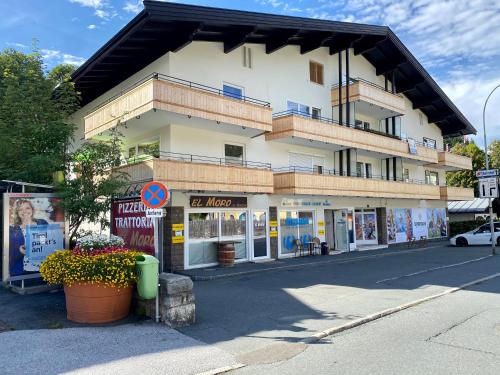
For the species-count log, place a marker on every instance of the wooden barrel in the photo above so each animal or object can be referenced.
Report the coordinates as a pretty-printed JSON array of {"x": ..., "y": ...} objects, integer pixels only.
[{"x": 225, "y": 255}]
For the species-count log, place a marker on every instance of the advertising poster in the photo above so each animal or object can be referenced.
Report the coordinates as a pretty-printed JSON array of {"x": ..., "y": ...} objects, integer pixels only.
[
  {"x": 358, "y": 225},
  {"x": 130, "y": 223},
  {"x": 391, "y": 225},
  {"x": 419, "y": 218},
  {"x": 436, "y": 222},
  {"x": 34, "y": 227},
  {"x": 369, "y": 226}
]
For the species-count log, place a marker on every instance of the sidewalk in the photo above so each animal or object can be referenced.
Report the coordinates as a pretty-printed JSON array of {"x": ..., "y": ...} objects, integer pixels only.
[{"x": 247, "y": 268}]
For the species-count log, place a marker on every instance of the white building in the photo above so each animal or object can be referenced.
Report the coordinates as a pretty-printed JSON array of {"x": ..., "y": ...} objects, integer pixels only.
[{"x": 300, "y": 128}]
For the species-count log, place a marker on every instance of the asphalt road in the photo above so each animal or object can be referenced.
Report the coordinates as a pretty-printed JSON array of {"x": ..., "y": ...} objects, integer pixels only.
[
  {"x": 264, "y": 318},
  {"x": 455, "y": 334}
]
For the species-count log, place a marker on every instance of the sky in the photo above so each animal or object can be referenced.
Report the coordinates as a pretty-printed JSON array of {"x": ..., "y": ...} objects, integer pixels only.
[{"x": 457, "y": 41}]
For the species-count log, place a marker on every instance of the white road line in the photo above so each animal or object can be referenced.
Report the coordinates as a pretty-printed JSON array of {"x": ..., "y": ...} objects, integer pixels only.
[
  {"x": 222, "y": 370},
  {"x": 433, "y": 269}
]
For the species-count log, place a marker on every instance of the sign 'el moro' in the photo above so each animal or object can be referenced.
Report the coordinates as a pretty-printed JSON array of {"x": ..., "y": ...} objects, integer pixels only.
[{"x": 217, "y": 201}]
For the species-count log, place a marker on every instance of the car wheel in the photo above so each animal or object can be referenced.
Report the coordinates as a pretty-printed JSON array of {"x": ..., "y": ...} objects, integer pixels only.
[{"x": 462, "y": 242}]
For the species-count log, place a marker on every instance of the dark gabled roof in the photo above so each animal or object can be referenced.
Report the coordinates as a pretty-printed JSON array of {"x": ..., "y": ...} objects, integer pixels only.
[{"x": 163, "y": 27}]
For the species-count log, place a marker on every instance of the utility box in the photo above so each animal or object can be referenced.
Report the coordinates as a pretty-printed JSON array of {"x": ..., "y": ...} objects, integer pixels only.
[{"x": 147, "y": 267}]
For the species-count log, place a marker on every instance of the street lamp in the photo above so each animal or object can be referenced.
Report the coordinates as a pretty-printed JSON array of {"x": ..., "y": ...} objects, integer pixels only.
[{"x": 492, "y": 227}]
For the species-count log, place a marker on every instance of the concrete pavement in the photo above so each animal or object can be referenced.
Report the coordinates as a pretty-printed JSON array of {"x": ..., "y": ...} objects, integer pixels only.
[{"x": 455, "y": 334}]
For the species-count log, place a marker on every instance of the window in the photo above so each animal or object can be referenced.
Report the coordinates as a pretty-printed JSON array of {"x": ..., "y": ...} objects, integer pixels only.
[
  {"x": 430, "y": 143},
  {"x": 247, "y": 57},
  {"x": 298, "y": 108},
  {"x": 431, "y": 178},
  {"x": 233, "y": 154},
  {"x": 406, "y": 175},
  {"x": 368, "y": 170},
  {"x": 316, "y": 113},
  {"x": 232, "y": 91},
  {"x": 359, "y": 169},
  {"x": 316, "y": 72},
  {"x": 318, "y": 169}
]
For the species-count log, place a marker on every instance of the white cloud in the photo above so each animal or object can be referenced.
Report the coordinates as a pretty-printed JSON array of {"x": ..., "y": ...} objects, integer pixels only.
[
  {"x": 54, "y": 57},
  {"x": 18, "y": 45},
  {"x": 133, "y": 7},
  {"x": 96, "y": 4},
  {"x": 91, "y": 27},
  {"x": 102, "y": 8}
]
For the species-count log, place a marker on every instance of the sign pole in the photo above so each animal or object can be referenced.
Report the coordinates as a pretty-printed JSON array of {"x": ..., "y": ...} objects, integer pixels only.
[
  {"x": 492, "y": 226},
  {"x": 157, "y": 254}
]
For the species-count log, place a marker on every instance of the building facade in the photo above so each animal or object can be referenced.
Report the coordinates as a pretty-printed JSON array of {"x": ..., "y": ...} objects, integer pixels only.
[{"x": 269, "y": 129}]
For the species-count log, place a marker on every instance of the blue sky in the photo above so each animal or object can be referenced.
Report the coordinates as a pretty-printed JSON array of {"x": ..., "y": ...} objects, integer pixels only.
[{"x": 457, "y": 41}]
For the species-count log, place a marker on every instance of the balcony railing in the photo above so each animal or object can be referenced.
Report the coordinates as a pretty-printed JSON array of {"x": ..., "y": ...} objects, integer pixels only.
[
  {"x": 162, "y": 92},
  {"x": 304, "y": 181},
  {"x": 371, "y": 93},
  {"x": 198, "y": 172}
]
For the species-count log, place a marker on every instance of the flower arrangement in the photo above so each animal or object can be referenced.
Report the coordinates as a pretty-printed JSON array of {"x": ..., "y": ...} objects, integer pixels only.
[{"x": 96, "y": 259}]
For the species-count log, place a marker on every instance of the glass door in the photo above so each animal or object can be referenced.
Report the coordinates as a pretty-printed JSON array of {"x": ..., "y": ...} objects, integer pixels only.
[
  {"x": 259, "y": 233},
  {"x": 340, "y": 229}
]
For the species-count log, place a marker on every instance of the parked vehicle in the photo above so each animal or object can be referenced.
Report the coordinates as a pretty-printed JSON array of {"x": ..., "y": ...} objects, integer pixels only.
[{"x": 478, "y": 236}]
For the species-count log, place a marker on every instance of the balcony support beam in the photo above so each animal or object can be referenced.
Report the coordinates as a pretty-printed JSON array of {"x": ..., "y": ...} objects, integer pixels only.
[
  {"x": 279, "y": 41},
  {"x": 238, "y": 38}
]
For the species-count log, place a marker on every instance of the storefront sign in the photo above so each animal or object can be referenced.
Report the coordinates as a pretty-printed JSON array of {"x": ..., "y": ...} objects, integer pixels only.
[
  {"x": 130, "y": 223},
  {"x": 293, "y": 202},
  {"x": 273, "y": 223},
  {"x": 177, "y": 239},
  {"x": 321, "y": 223},
  {"x": 207, "y": 201},
  {"x": 34, "y": 227},
  {"x": 273, "y": 233},
  {"x": 321, "y": 232},
  {"x": 176, "y": 227}
]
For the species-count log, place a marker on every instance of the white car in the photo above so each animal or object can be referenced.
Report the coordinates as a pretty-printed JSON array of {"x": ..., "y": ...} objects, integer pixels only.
[{"x": 478, "y": 236}]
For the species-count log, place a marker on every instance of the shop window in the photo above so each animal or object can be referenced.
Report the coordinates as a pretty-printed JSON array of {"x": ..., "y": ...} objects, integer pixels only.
[
  {"x": 316, "y": 113},
  {"x": 316, "y": 72},
  {"x": 203, "y": 238},
  {"x": 366, "y": 225},
  {"x": 232, "y": 91},
  {"x": 295, "y": 225},
  {"x": 234, "y": 227},
  {"x": 431, "y": 178},
  {"x": 234, "y": 154}
]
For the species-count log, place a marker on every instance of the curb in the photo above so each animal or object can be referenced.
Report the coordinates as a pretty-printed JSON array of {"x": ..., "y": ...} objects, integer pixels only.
[
  {"x": 370, "y": 318},
  {"x": 222, "y": 370},
  {"x": 291, "y": 266}
]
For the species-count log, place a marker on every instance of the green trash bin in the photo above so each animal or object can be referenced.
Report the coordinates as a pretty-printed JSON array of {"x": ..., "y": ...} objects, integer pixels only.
[{"x": 147, "y": 272}]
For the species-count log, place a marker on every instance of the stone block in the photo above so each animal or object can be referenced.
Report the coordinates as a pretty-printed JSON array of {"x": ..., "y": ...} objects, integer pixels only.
[
  {"x": 178, "y": 300},
  {"x": 175, "y": 284},
  {"x": 179, "y": 316}
]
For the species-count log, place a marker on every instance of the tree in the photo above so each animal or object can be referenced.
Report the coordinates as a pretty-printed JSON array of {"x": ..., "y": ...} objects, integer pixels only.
[
  {"x": 467, "y": 178},
  {"x": 87, "y": 193},
  {"x": 34, "y": 108},
  {"x": 494, "y": 154}
]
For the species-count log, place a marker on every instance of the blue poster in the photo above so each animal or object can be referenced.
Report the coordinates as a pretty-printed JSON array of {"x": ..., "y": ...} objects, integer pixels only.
[{"x": 41, "y": 241}]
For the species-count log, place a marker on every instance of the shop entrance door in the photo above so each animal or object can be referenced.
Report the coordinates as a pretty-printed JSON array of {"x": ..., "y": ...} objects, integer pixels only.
[
  {"x": 340, "y": 228},
  {"x": 259, "y": 235}
]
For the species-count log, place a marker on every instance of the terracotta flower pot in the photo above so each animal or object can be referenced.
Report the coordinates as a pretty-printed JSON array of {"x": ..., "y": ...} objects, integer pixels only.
[{"x": 96, "y": 303}]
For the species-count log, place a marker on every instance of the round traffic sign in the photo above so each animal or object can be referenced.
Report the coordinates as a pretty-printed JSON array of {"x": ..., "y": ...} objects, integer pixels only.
[{"x": 154, "y": 195}]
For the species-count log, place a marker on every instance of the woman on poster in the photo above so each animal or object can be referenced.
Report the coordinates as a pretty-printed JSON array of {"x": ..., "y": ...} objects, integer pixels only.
[{"x": 22, "y": 215}]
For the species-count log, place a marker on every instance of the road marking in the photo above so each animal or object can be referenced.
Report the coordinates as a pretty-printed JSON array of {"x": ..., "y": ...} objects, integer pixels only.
[
  {"x": 222, "y": 370},
  {"x": 370, "y": 318},
  {"x": 433, "y": 269}
]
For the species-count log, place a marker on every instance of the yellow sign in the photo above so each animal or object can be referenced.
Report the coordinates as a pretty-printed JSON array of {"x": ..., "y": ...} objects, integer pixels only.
[
  {"x": 273, "y": 233},
  {"x": 321, "y": 232},
  {"x": 178, "y": 239},
  {"x": 176, "y": 227},
  {"x": 273, "y": 223},
  {"x": 321, "y": 223}
]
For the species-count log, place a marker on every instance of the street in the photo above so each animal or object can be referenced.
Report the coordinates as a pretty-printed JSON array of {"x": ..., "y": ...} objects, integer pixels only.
[{"x": 267, "y": 322}]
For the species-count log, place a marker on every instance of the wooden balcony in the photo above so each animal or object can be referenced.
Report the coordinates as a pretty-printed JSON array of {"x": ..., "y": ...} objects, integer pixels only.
[
  {"x": 454, "y": 162},
  {"x": 450, "y": 193},
  {"x": 373, "y": 96},
  {"x": 331, "y": 185},
  {"x": 293, "y": 128},
  {"x": 180, "y": 97},
  {"x": 187, "y": 175}
]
